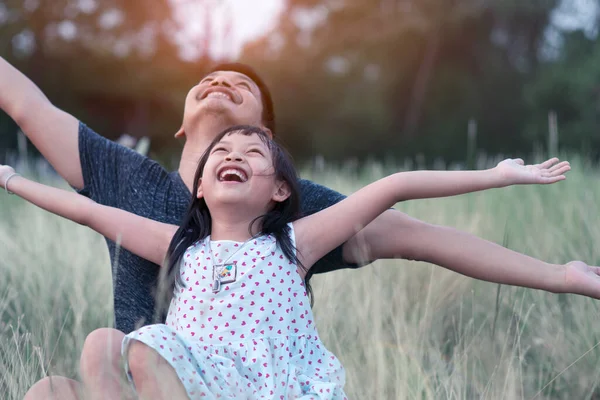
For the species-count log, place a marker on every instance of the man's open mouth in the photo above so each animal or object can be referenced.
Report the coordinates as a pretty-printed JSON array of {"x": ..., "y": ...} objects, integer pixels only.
[{"x": 217, "y": 93}]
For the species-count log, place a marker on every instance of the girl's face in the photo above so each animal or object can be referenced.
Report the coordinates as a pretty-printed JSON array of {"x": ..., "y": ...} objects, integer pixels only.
[{"x": 239, "y": 170}]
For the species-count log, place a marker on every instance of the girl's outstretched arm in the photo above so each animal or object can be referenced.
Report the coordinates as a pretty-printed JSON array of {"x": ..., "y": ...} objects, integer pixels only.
[
  {"x": 142, "y": 236},
  {"x": 346, "y": 218}
]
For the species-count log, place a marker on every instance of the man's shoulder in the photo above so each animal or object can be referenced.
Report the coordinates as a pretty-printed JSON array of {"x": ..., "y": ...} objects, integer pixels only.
[
  {"x": 121, "y": 177},
  {"x": 316, "y": 197}
]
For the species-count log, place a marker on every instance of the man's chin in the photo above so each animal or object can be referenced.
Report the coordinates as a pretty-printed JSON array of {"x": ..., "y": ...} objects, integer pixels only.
[{"x": 217, "y": 116}]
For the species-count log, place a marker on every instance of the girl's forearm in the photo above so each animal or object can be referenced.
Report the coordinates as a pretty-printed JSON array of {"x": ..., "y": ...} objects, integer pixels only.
[
  {"x": 142, "y": 236},
  {"x": 431, "y": 184},
  {"x": 61, "y": 202}
]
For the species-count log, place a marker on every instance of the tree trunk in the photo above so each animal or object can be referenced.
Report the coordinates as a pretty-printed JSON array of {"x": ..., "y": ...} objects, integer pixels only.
[{"x": 415, "y": 107}]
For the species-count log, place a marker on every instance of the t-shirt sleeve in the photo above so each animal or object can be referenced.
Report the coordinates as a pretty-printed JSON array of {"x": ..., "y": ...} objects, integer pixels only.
[
  {"x": 107, "y": 167},
  {"x": 315, "y": 198}
]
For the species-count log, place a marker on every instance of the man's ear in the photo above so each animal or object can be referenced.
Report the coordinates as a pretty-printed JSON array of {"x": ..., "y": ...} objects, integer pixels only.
[
  {"x": 180, "y": 133},
  {"x": 199, "y": 193},
  {"x": 282, "y": 192}
]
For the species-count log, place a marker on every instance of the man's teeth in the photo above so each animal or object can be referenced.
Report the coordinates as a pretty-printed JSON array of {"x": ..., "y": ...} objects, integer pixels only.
[
  {"x": 219, "y": 94},
  {"x": 235, "y": 172}
]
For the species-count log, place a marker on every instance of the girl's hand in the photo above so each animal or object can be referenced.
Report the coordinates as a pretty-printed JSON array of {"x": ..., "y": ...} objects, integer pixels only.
[
  {"x": 515, "y": 172},
  {"x": 5, "y": 172},
  {"x": 581, "y": 278}
]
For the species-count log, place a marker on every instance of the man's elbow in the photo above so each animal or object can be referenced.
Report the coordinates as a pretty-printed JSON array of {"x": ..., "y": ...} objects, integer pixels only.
[{"x": 392, "y": 235}]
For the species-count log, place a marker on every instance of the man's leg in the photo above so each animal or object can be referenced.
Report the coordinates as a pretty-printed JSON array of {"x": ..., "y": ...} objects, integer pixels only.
[
  {"x": 102, "y": 366},
  {"x": 55, "y": 388}
]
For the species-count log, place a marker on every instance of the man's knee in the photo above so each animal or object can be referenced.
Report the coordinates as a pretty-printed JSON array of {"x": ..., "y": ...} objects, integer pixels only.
[
  {"x": 101, "y": 349},
  {"x": 54, "y": 387}
]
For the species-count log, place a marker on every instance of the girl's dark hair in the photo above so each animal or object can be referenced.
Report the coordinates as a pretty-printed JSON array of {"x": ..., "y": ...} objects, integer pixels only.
[{"x": 196, "y": 224}]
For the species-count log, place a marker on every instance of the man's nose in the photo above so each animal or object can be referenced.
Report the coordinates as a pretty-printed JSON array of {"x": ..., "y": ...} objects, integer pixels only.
[
  {"x": 221, "y": 81},
  {"x": 234, "y": 156}
]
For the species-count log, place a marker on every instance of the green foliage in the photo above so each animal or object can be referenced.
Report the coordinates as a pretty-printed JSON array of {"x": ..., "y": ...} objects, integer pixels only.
[{"x": 362, "y": 79}]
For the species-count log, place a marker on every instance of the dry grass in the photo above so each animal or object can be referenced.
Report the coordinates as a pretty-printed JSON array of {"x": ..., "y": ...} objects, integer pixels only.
[{"x": 403, "y": 330}]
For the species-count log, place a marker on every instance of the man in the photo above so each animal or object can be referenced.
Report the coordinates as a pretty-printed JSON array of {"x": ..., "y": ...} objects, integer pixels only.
[{"x": 232, "y": 94}]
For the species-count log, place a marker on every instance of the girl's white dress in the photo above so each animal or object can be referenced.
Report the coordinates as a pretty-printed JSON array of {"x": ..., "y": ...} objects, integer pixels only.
[{"x": 254, "y": 339}]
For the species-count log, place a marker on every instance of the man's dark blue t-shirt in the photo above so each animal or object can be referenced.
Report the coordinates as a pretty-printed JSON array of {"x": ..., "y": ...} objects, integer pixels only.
[{"x": 119, "y": 177}]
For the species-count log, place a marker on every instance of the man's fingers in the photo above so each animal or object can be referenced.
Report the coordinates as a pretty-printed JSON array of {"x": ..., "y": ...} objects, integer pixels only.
[
  {"x": 519, "y": 161},
  {"x": 552, "y": 179},
  {"x": 559, "y": 166},
  {"x": 595, "y": 270}
]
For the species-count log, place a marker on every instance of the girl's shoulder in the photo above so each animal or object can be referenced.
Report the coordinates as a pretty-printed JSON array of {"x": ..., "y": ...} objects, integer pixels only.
[{"x": 197, "y": 245}]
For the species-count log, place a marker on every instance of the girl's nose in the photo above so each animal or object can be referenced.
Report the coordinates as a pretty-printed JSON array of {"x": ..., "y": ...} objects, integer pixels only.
[{"x": 234, "y": 156}]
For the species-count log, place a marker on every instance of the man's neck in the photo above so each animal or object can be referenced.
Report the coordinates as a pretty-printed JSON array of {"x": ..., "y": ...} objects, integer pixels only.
[{"x": 193, "y": 149}]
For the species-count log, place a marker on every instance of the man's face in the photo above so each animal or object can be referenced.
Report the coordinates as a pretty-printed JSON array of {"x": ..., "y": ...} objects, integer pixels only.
[{"x": 230, "y": 96}]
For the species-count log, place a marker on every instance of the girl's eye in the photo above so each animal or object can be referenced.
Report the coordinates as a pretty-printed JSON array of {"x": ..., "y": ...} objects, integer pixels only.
[
  {"x": 244, "y": 84},
  {"x": 218, "y": 149},
  {"x": 255, "y": 151}
]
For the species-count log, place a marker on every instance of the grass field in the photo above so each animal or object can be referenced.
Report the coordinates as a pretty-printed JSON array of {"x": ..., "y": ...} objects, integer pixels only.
[{"x": 403, "y": 330}]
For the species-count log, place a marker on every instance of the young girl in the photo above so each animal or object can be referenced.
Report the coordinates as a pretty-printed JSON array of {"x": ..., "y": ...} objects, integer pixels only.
[{"x": 239, "y": 322}]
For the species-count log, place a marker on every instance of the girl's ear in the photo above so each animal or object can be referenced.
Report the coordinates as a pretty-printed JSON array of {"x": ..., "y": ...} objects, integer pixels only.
[
  {"x": 282, "y": 192},
  {"x": 267, "y": 131},
  {"x": 180, "y": 132},
  {"x": 199, "y": 193}
]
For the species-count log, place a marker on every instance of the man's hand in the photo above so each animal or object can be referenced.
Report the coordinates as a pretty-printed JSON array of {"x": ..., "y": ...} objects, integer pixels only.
[
  {"x": 515, "y": 172},
  {"x": 5, "y": 172},
  {"x": 581, "y": 278}
]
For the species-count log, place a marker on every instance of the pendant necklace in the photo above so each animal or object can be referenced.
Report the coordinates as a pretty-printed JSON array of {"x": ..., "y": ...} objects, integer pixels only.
[{"x": 225, "y": 272}]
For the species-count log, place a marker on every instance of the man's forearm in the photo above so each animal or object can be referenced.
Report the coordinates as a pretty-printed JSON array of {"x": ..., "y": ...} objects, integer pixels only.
[
  {"x": 17, "y": 91},
  {"x": 395, "y": 235},
  {"x": 53, "y": 132}
]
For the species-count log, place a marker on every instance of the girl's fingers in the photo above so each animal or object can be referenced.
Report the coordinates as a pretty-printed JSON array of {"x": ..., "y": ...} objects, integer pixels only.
[
  {"x": 547, "y": 164},
  {"x": 560, "y": 171}
]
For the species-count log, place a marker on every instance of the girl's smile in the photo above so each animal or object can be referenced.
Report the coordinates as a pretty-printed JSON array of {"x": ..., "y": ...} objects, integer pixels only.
[
  {"x": 232, "y": 174},
  {"x": 239, "y": 171}
]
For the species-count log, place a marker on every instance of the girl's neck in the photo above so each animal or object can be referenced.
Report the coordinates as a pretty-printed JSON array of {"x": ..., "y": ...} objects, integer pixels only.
[{"x": 233, "y": 227}]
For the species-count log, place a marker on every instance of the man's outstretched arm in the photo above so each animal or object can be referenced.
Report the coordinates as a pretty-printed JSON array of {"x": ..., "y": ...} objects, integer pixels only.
[
  {"x": 396, "y": 235},
  {"x": 51, "y": 130}
]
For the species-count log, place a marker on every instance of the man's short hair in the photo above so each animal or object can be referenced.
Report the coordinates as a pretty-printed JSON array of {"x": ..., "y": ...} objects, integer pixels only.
[{"x": 268, "y": 114}]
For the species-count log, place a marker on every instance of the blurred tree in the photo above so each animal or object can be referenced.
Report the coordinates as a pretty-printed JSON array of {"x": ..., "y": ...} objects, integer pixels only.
[
  {"x": 363, "y": 77},
  {"x": 569, "y": 86},
  {"x": 112, "y": 63},
  {"x": 350, "y": 78}
]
